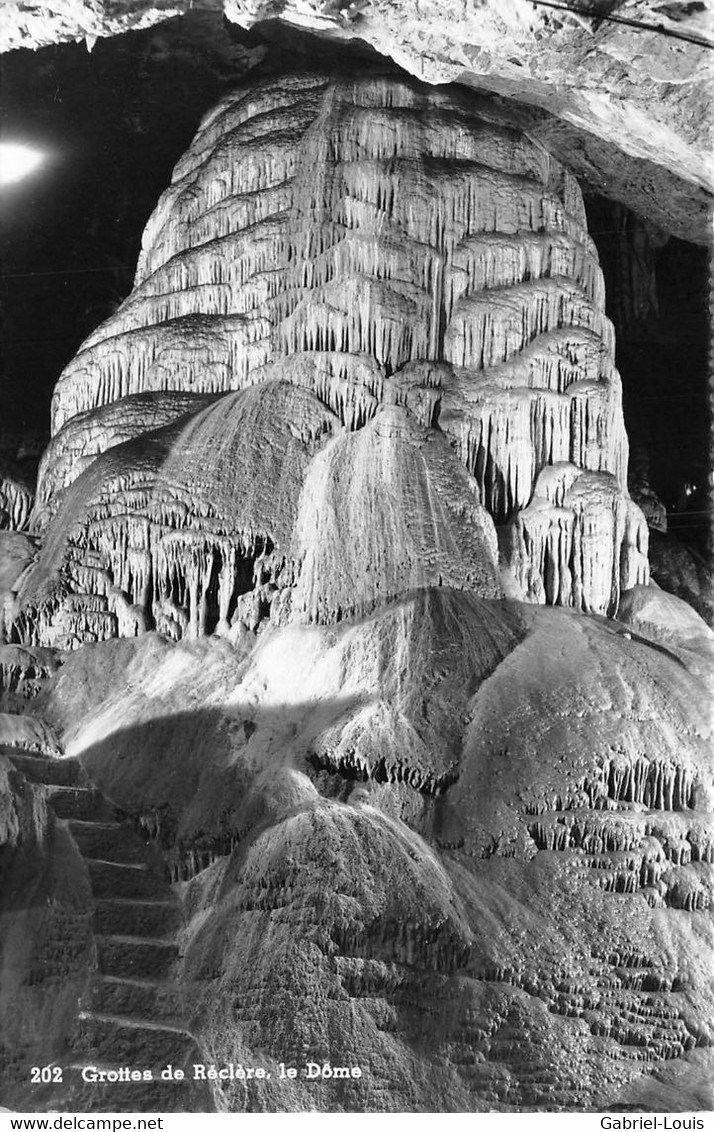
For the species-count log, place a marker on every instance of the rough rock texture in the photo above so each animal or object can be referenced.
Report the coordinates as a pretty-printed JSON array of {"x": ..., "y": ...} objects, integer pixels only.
[
  {"x": 575, "y": 516},
  {"x": 35, "y": 25},
  {"x": 17, "y": 552},
  {"x": 16, "y": 500},
  {"x": 45, "y": 926},
  {"x": 669, "y": 620},
  {"x": 643, "y": 493},
  {"x": 84, "y": 437},
  {"x": 371, "y": 257},
  {"x": 462, "y": 843},
  {"x": 639, "y": 85},
  {"x": 683, "y": 571},
  {"x": 412, "y": 518},
  {"x": 171, "y": 530},
  {"x": 23, "y": 671}
]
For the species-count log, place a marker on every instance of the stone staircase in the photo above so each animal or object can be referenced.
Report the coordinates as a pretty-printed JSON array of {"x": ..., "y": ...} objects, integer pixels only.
[{"x": 130, "y": 1017}]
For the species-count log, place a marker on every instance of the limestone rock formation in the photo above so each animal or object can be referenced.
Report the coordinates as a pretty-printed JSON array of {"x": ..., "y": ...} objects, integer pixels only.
[
  {"x": 671, "y": 621},
  {"x": 172, "y": 529},
  {"x": 644, "y": 494},
  {"x": 17, "y": 553},
  {"x": 410, "y": 518},
  {"x": 460, "y": 833},
  {"x": 333, "y": 532},
  {"x": 45, "y": 929},
  {"x": 339, "y": 245},
  {"x": 684, "y": 572},
  {"x": 16, "y": 499},
  {"x": 35, "y": 25},
  {"x": 74, "y": 447},
  {"x": 575, "y": 516}
]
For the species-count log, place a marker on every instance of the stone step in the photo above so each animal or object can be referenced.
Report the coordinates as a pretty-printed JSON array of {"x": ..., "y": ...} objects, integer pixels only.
[
  {"x": 46, "y": 770},
  {"x": 111, "y": 879},
  {"x": 136, "y": 998},
  {"x": 131, "y": 957},
  {"x": 132, "y": 1041},
  {"x": 80, "y": 802},
  {"x": 108, "y": 841},
  {"x": 158, "y": 918},
  {"x": 134, "y": 1096}
]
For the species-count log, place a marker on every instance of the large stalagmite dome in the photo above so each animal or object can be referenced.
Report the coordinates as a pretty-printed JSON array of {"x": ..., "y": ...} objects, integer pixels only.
[{"x": 373, "y": 242}]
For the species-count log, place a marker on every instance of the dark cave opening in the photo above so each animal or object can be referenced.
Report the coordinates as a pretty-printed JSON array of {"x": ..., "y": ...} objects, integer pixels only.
[
  {"x": 112, "y": 124},
  {"x": 657, "y": 295}
]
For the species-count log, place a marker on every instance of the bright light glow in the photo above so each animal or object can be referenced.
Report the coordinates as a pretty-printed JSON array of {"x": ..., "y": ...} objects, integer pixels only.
[{"x": 17, "y": 161}]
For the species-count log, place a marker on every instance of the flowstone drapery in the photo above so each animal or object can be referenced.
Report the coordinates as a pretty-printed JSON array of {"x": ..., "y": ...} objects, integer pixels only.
[{"x": 331, "y": 250}]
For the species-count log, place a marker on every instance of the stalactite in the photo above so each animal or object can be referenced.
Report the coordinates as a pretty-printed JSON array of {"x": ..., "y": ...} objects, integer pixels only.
[
  {"x": 578, "y": 542},
  {"x": 640, "y": 825},
  {"x": 16, "y": 501},
  {"x": 23, "y": 672},
  {"x": 352, "y": 766},
  {"x": 247, "y": 231}
]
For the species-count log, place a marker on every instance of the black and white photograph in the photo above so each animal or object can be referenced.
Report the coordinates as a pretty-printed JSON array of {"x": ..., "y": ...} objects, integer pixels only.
[{"x": 356, "y": 602}]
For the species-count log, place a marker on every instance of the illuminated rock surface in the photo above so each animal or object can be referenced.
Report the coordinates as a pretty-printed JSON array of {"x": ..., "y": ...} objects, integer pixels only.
[
  {"x": 75, "y": 446},
  {"x": 340, "y": 245},
  {"x": 16, "y": 500}
]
